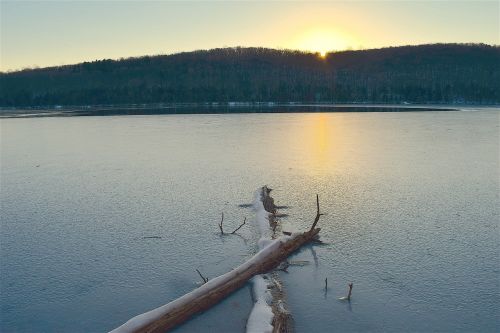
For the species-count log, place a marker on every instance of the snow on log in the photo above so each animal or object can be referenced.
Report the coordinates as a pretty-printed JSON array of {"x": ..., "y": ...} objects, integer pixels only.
[{"x": 269, "y": 314}]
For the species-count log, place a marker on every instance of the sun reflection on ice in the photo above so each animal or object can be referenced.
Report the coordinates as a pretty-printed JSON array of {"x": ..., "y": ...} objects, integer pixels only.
[{"x": 321, "y": 140}]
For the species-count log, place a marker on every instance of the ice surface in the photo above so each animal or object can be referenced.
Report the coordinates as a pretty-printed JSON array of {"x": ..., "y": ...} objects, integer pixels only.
[{"x": 411, "y": 201}]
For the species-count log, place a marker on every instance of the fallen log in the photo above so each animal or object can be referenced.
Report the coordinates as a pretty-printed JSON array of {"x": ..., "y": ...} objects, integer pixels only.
[
  {"x": 282, "y": 319},
  {"x": 210, "y": 293},
  {"x": 176, "y": 312}
]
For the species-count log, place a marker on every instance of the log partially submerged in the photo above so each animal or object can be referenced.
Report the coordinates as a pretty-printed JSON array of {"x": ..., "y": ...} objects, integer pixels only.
[
  {"x": 210, "y": 293},
  {"x": 282, "y": 321}
]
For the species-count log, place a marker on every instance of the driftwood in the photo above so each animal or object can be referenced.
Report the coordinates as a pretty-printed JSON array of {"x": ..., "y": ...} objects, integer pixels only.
[
  {"x": 178, "y": 311},
  {"x": 282, "y": 318}
]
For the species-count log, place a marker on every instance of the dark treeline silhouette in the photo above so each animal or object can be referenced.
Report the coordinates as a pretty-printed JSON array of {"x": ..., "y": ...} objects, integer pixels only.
[{"x": 437, "y": 73}]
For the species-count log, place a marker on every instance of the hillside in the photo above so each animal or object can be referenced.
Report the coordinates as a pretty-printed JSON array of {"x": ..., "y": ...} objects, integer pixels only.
[{"x": 438, "y": 73}]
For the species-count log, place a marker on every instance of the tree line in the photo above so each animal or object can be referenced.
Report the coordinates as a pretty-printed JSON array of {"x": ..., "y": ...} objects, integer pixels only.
[{"x": 435, "y": 73}]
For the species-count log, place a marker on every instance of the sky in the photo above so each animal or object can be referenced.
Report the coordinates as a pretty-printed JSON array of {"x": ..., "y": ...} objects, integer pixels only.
[{"x": 47, "y": 33}]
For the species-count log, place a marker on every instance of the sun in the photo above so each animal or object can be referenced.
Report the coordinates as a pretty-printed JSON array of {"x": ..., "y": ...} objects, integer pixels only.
[{"x": 322, "y": 41}]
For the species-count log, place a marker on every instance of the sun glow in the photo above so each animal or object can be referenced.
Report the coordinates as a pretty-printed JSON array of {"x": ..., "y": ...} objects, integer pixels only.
[{"x": 323, "y": 41}]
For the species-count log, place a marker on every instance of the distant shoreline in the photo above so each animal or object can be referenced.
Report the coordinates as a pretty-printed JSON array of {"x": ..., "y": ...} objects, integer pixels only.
[{"x": 226, "y": 108}]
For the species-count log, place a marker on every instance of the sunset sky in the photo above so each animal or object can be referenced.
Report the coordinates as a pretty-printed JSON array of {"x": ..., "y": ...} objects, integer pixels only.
[{"x": 44, "y": 33}]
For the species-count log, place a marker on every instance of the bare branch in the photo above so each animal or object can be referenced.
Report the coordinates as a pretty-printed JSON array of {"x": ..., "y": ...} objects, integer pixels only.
[
  {"x": 205, "y": 280},
  {"x": 318, "y": 214},
  {"x": 220, "y": 224},
  {"x": 244, "y": 222}
]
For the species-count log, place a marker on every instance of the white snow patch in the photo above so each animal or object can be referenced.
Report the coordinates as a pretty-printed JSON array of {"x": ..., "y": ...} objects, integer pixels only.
[
  {"x": 263, "y": 242},
  {"x": 261, "y": 317},
  {"x": 262, "y": 218}
]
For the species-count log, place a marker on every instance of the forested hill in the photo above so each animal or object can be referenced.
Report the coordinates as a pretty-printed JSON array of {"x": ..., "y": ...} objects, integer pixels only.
[{"x": 438, "y": 73}]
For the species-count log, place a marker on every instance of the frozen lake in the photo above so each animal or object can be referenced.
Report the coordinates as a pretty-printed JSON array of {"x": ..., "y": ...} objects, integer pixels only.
[{"x": 412, "y": 203}]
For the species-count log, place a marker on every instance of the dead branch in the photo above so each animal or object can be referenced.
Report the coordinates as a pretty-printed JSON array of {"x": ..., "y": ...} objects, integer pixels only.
[
  {"x": 220, "y": 224},
  {"x": 318, "y": 214},
  {"x": 350, "y": 292},
  {"x": 267, "y": 200},
  {"x": 205, "y": 280},
  {"x": 244, "y": 222}
]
